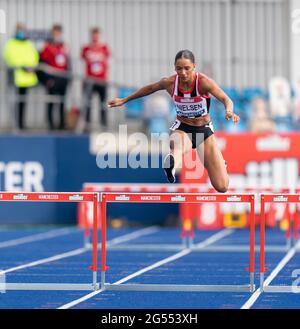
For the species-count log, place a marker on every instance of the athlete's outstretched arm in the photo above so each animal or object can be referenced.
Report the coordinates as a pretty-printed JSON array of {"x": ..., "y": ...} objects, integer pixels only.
[
  {"x": 144, "y": 91},
  {"x": 216, "y": 91}
]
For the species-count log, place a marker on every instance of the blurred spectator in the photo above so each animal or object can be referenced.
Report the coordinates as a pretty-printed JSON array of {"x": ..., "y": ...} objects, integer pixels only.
[
  {"x": 157, "y": 113},
  {"x": 280, "y": 98},
  {"x": 96, "y": 56},
  {"x": 260, "y": 120},
  {"x": 56, "y": 58},
  {"x": 296, "y": 112},
  {"x": 21, "y": 57}
]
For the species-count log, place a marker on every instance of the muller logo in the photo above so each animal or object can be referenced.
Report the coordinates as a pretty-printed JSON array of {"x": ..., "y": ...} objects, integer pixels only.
[
  {"x": 76, "y": 197},
  {"x": 187, "y": 100},
  {"x": 122, "y": 197},
  {"x": 20, "y": 197},
  {"x": 280, "y": 198},
  {"x": 178, "y": 198},
  {"x": 273, "y": 143},
  {"x": 234, "y": 198}
]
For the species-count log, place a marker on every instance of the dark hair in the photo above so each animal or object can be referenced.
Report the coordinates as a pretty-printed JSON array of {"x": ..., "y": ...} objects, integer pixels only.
[
  {"x": 185, "y": 54},
  {"x": 95, "y": 30},
  {"x": 57, "y": 27}
]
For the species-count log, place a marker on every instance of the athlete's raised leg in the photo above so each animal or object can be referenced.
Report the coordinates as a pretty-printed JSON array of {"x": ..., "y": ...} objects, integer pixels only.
[
  {"x": 214, "y": 164},
  {"x": 179, "y": 144}
]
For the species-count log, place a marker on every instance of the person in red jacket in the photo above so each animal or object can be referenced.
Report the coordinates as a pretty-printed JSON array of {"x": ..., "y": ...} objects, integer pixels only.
[
  {"x": 96, "y": 57},
  {"x": 55, "y": 55}
]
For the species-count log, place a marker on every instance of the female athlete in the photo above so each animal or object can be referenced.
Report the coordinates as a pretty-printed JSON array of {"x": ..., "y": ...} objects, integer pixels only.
[{"x": 190, "y": 91}]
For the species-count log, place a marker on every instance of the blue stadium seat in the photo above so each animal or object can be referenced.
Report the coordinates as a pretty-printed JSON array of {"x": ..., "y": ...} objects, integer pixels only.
[
  {"x": 134, "y": 109},
  {"x": 284, "y": 124},
  {"x": 293, "y": 93},
  {"x": 232, "y": 92},
  {"x": 157, "y": 125},
  {"x": 230, "y": 127},
  {"x": 249, "y": 93},
  {"x": 217, "y": 124},
  {"x": 216, "y": 109}
]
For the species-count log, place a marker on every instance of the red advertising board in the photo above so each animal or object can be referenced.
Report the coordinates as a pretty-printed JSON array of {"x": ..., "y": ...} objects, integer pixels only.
[{"x": 255, "y": 162}]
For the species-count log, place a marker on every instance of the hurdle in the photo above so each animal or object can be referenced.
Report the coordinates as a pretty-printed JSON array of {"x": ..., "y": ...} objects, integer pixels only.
[
  {"x": 264, "y": 191},
  {"x": 276, "y": 198},
  {"x": 188, "y": 198},
  {"x": 187, "y": 232},
  {"x": 59, "y": 197},
  {"x": 187, "y": 235}
]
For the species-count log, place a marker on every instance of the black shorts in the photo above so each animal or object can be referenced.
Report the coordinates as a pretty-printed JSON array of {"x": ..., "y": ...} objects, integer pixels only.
[{"x": 197, "y": 134}]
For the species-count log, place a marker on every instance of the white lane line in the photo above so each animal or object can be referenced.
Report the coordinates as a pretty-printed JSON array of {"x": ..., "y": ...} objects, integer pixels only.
[
  {"x": 75, "y": 252},
  {"x": 272, "y": 276},
  {"x": 214, "y": 238},
  {"x": 71, "y": 253},
  {"x": 178, "y": 255},
  {"x": 133, "y": 275},
  {"x": 80, "y": 300},
  {"x": 133, "y": 235},
  {"x": 37, "y": 237},
  {"x": 155, "y": 265}
]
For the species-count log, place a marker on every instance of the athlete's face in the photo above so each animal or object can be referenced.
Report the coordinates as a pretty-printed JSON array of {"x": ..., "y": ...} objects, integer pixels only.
[{"x": 185, "y": 69}]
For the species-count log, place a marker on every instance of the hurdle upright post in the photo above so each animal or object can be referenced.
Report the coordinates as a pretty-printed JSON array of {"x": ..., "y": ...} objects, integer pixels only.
[
  {"x": 252, "y": 242},
  {"x": 289, "y": 227},
  {"x": 103, "y": 240},
  {"x": 95, "y": 238},
  {"x": 296, "y": 224},
  {"x": 262, "y": 241}
]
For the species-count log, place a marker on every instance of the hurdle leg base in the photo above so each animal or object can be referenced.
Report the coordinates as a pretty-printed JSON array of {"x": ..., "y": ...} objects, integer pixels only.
[
  {"x": 51, "y": 286},
  {"x": 177, "y": 287},
  {"x": 262, "y": 280},
  {"x": 252, "y": 285},
  {"x": 282, "y": 289}
]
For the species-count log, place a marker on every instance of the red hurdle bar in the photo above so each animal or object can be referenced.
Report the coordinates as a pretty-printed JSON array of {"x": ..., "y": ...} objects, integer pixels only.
[
  {"x": 47, "y": 196},
  {"x": 177, "y": 198},
  {"x": 59, "y": 197},
  {"x": 186, "y": 235}
]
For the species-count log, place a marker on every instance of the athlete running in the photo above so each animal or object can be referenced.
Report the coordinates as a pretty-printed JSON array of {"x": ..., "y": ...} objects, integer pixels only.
[{"x": 191, "y": 92}]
